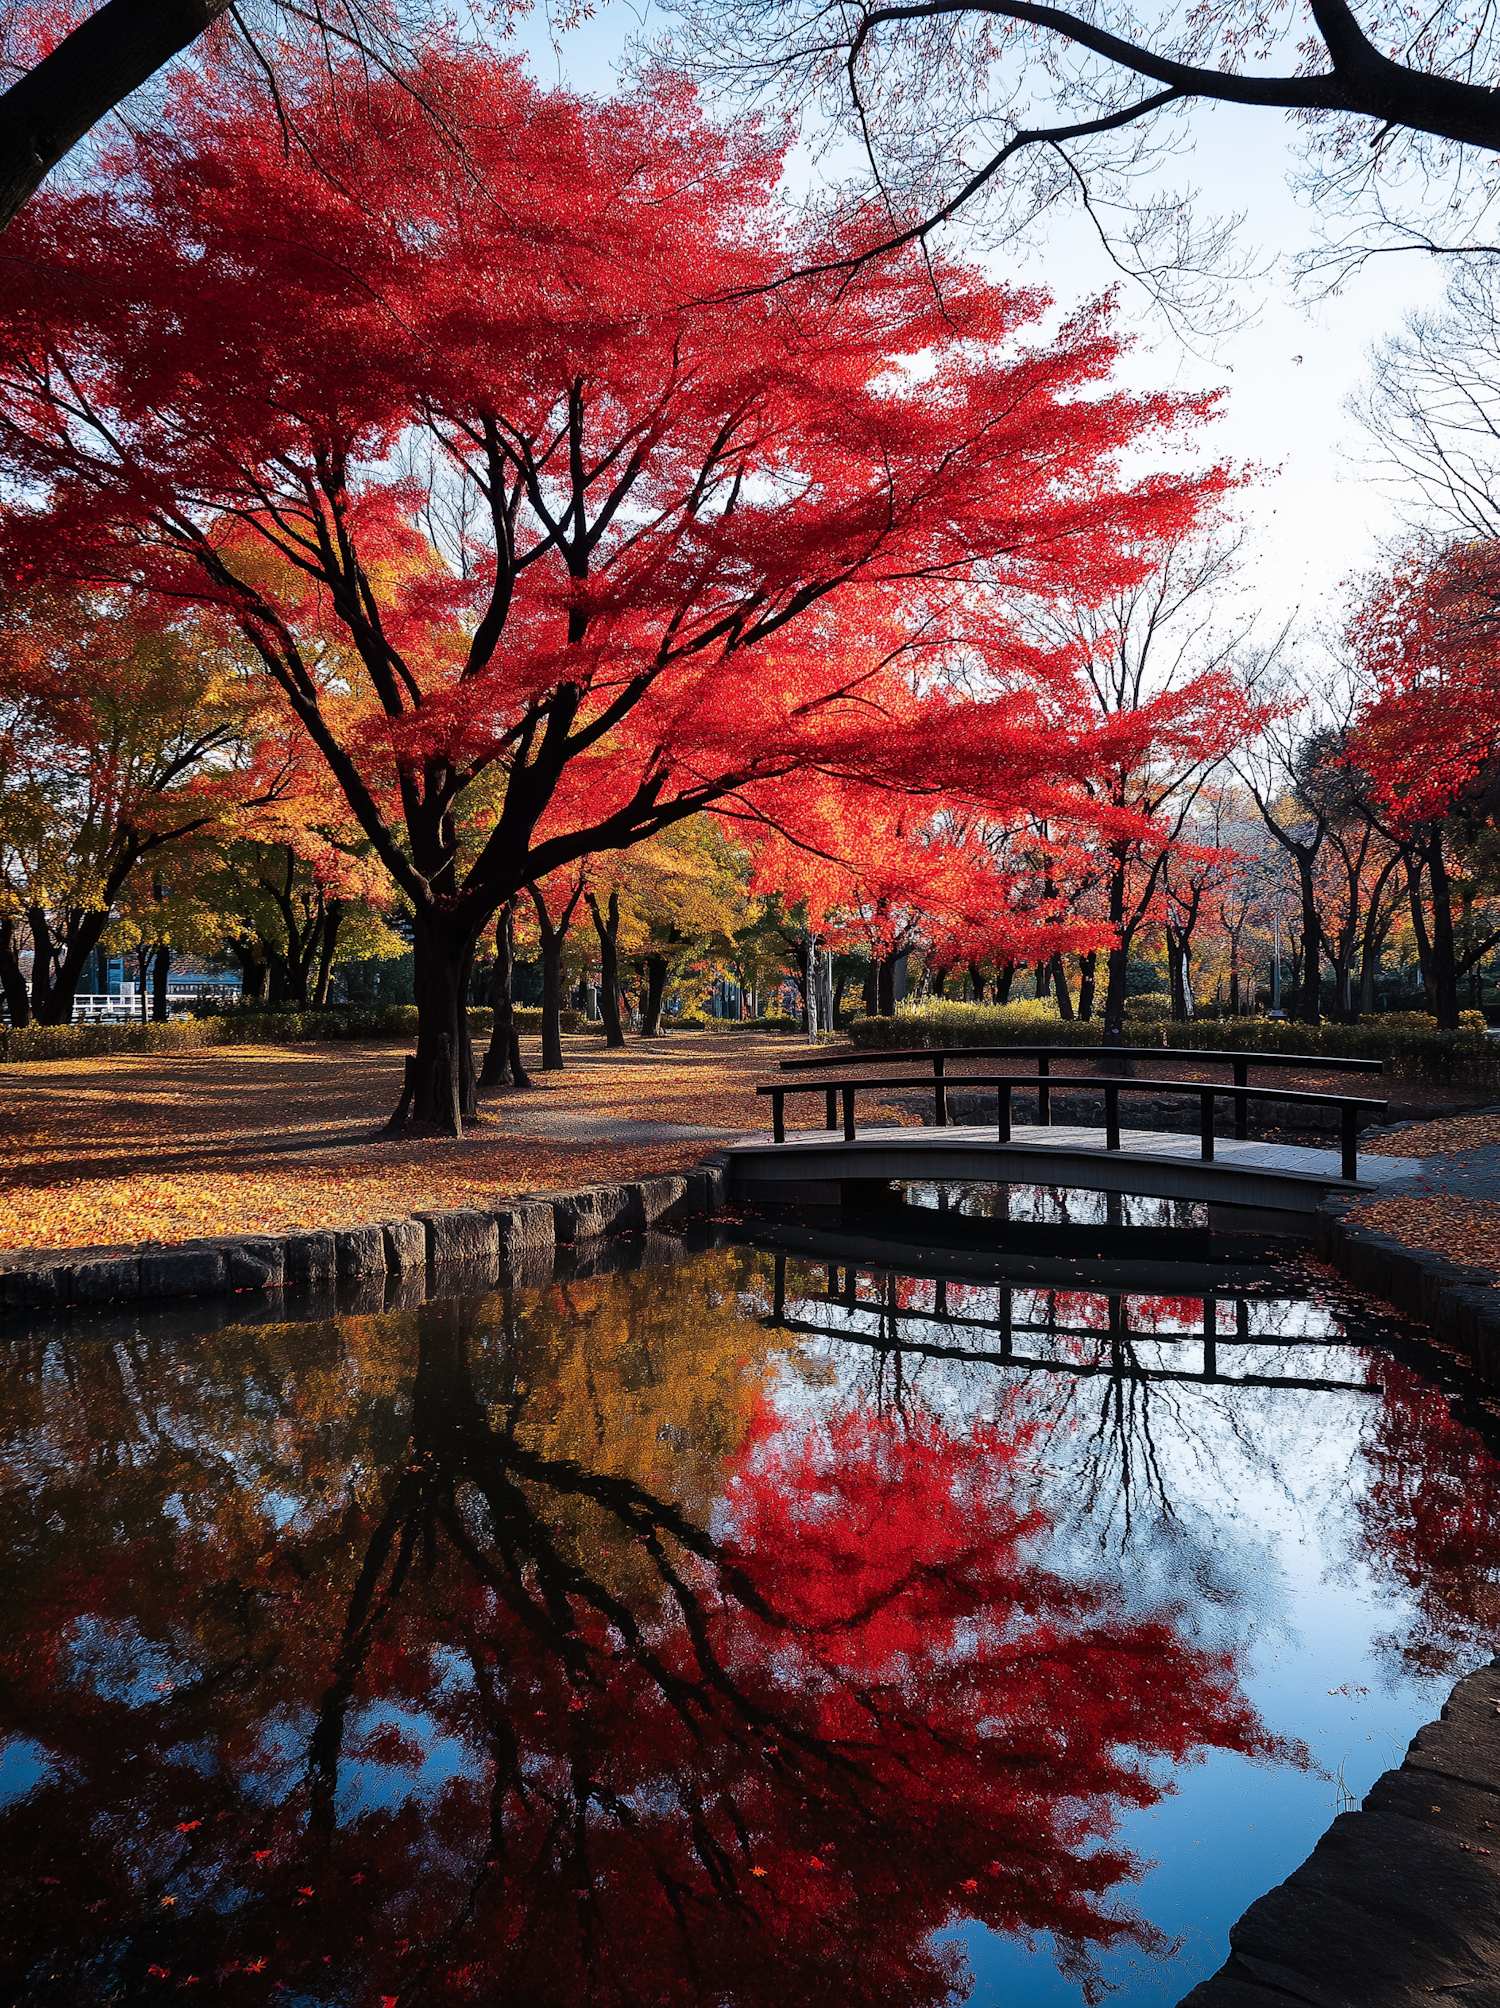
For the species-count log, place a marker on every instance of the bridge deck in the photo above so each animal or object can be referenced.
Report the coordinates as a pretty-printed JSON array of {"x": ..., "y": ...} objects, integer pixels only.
[{"x": 1161, "y": 1164}]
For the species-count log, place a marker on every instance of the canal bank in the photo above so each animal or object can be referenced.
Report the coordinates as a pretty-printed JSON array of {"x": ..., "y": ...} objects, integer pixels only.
[{"x": 1434, "y": 1253}]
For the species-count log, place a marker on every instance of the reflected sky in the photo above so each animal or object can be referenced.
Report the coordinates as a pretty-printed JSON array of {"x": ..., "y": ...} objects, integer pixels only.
[{"x": 750, "y": 1630}]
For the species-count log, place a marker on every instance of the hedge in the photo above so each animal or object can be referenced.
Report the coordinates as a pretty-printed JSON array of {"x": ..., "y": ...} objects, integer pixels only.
[
  {"x": 1465, "y": 1057},
  {"x": 241, "y": 1028}
]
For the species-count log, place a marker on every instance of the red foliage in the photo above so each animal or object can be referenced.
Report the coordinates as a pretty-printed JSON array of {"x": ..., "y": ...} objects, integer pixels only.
[
  {"x": 1428, "y": 1522},
  {"x": 550, "y": 520},
  {"x": 1425, "y": 634}
]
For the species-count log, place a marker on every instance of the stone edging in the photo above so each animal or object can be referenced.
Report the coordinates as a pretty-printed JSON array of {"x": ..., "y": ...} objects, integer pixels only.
[
  {"x": 512, "y": 1235},
  {"x": 1459, "y": 1304},
  {"x": 1398, "y": 1901}
]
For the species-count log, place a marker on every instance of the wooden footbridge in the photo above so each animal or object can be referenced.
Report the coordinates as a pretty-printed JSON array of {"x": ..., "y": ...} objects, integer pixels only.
[{"x": 812, "y": 1164}]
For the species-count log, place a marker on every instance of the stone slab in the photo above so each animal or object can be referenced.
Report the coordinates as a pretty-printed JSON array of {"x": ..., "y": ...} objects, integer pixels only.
[
  {"x": 193, "y": 1270},
  {"x": 663, "y": 1198},
  {"x": 405, "y": 1246},
  {"x": 460, "y": 1234},
  {"x": 522, "y": 1230},
  {"x": 593, "y": 1210},
  {"x": 106, "y": 1279},
  {"x": 359, "y": 1251},
  {"x": 255, "y": 1265},
  {"x": 1399, "y": 1901},
  {"x": 310, "y": 1258}
]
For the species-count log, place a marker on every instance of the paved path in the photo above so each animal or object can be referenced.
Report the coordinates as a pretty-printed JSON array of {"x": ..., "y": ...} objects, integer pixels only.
[
  {"x": 1399, "y": 1904},
  {"x": 1469, "y": 1174},
  {"x": 570, "y": 1126}
]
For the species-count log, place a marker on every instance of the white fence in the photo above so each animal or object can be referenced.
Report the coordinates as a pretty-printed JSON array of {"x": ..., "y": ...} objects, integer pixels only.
[{"x": 119, "y": 1007}]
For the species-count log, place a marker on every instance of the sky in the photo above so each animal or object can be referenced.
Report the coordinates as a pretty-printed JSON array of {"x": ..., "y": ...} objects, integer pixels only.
[{"x": 1314, "y": 517}]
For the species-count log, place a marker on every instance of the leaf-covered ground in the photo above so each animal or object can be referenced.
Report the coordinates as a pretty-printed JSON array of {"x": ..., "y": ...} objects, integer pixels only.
[
  {"x": 1448, "y": 1137},
  {"x": 142, "y": 1147},
  {"x": 1465, "y": 1230},
  {"x": 139, "y": 1147}
]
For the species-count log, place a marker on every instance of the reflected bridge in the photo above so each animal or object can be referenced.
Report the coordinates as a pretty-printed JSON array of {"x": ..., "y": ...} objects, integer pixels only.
[{"x": 1041, "y": 1330}]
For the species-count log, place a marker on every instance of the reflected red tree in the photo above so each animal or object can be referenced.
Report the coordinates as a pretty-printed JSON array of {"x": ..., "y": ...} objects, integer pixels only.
[
  {"x": 531, "y": 1732},
  {"x": 1428, "y": 1521}
]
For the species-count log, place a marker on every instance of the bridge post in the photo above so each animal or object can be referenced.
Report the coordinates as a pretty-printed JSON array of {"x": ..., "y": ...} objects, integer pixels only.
[
  {"x": 1111, "y": 1116},
  {"x": 848, "y": 1115},
  {"x": 1043, "y": 1090},
  {"x": 1206, "y": 1123},
  {"x": 1002, "y": 1109},
  {"x": 778, "y": 1115},
  {"x": 1210, "y": 1338},
  {"x": 1347, "y": 1137},
  {"x": 778, "y": 1300}
]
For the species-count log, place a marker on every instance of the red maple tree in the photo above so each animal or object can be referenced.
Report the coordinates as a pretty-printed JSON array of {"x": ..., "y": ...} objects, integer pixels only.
[{"x": 554, "y": 519}]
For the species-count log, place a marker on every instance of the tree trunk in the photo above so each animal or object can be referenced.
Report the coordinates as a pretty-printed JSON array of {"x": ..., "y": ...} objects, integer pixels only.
[
  {"x": 333, "y": 920},
  {"x": 552, "y": 1054},
  {"x": 1114, "y": 997},
  {"x": 886, "y": 986},
  {"x": 812, "y": 1000},
  {"x": 502, "y": 1061},
  {"x": 1119, "y": 957},
  {"x": 608, "y": 931},
  {"x": 1060, "y": 985},
  {"x": 255, "y": 970},
  {"x": 553, "y": 938},
  {"x": 53, "y": 988},
  {"x": 439, "y": 1085},
  {"x": 12, "y": 981},
  {"x": 1309, "y": 1003},
  {"x": 1234, "y": 973},
  {"x": 1087, "y": 968},
  {"x": 657, "y": 970},
  {"x": 1005, "y": 975},
  {"x": 838, "y": 999},
  {"x": 1444, "y": 954},
  {"x": 161, "y": 965}
]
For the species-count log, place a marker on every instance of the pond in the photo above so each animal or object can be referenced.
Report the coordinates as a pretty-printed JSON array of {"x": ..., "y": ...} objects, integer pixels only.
[{"x": 770, "y": 1625}]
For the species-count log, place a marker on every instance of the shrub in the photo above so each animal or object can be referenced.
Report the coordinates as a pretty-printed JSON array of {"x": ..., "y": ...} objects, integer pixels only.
[
  {"x": 76, "y": 1042},
  {"x": 944, "y": 1022},
  {"x": 243, "y": 1027},
  {"x": 1152, "y": 1009},
  {"x": 1464, "y": 1057}
]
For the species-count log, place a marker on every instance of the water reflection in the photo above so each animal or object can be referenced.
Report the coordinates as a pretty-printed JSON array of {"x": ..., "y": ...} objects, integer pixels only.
[{"x": 736, "y": 1632}]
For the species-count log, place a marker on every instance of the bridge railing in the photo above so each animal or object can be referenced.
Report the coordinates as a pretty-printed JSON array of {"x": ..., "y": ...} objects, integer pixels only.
[
  {"x": 839, "y": 1095},
  {"x": 1239, "y": 1064}
]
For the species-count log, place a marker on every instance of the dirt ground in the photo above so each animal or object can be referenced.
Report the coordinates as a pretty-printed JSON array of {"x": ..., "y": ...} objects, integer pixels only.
[{"x": 243, "y": 1139}]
